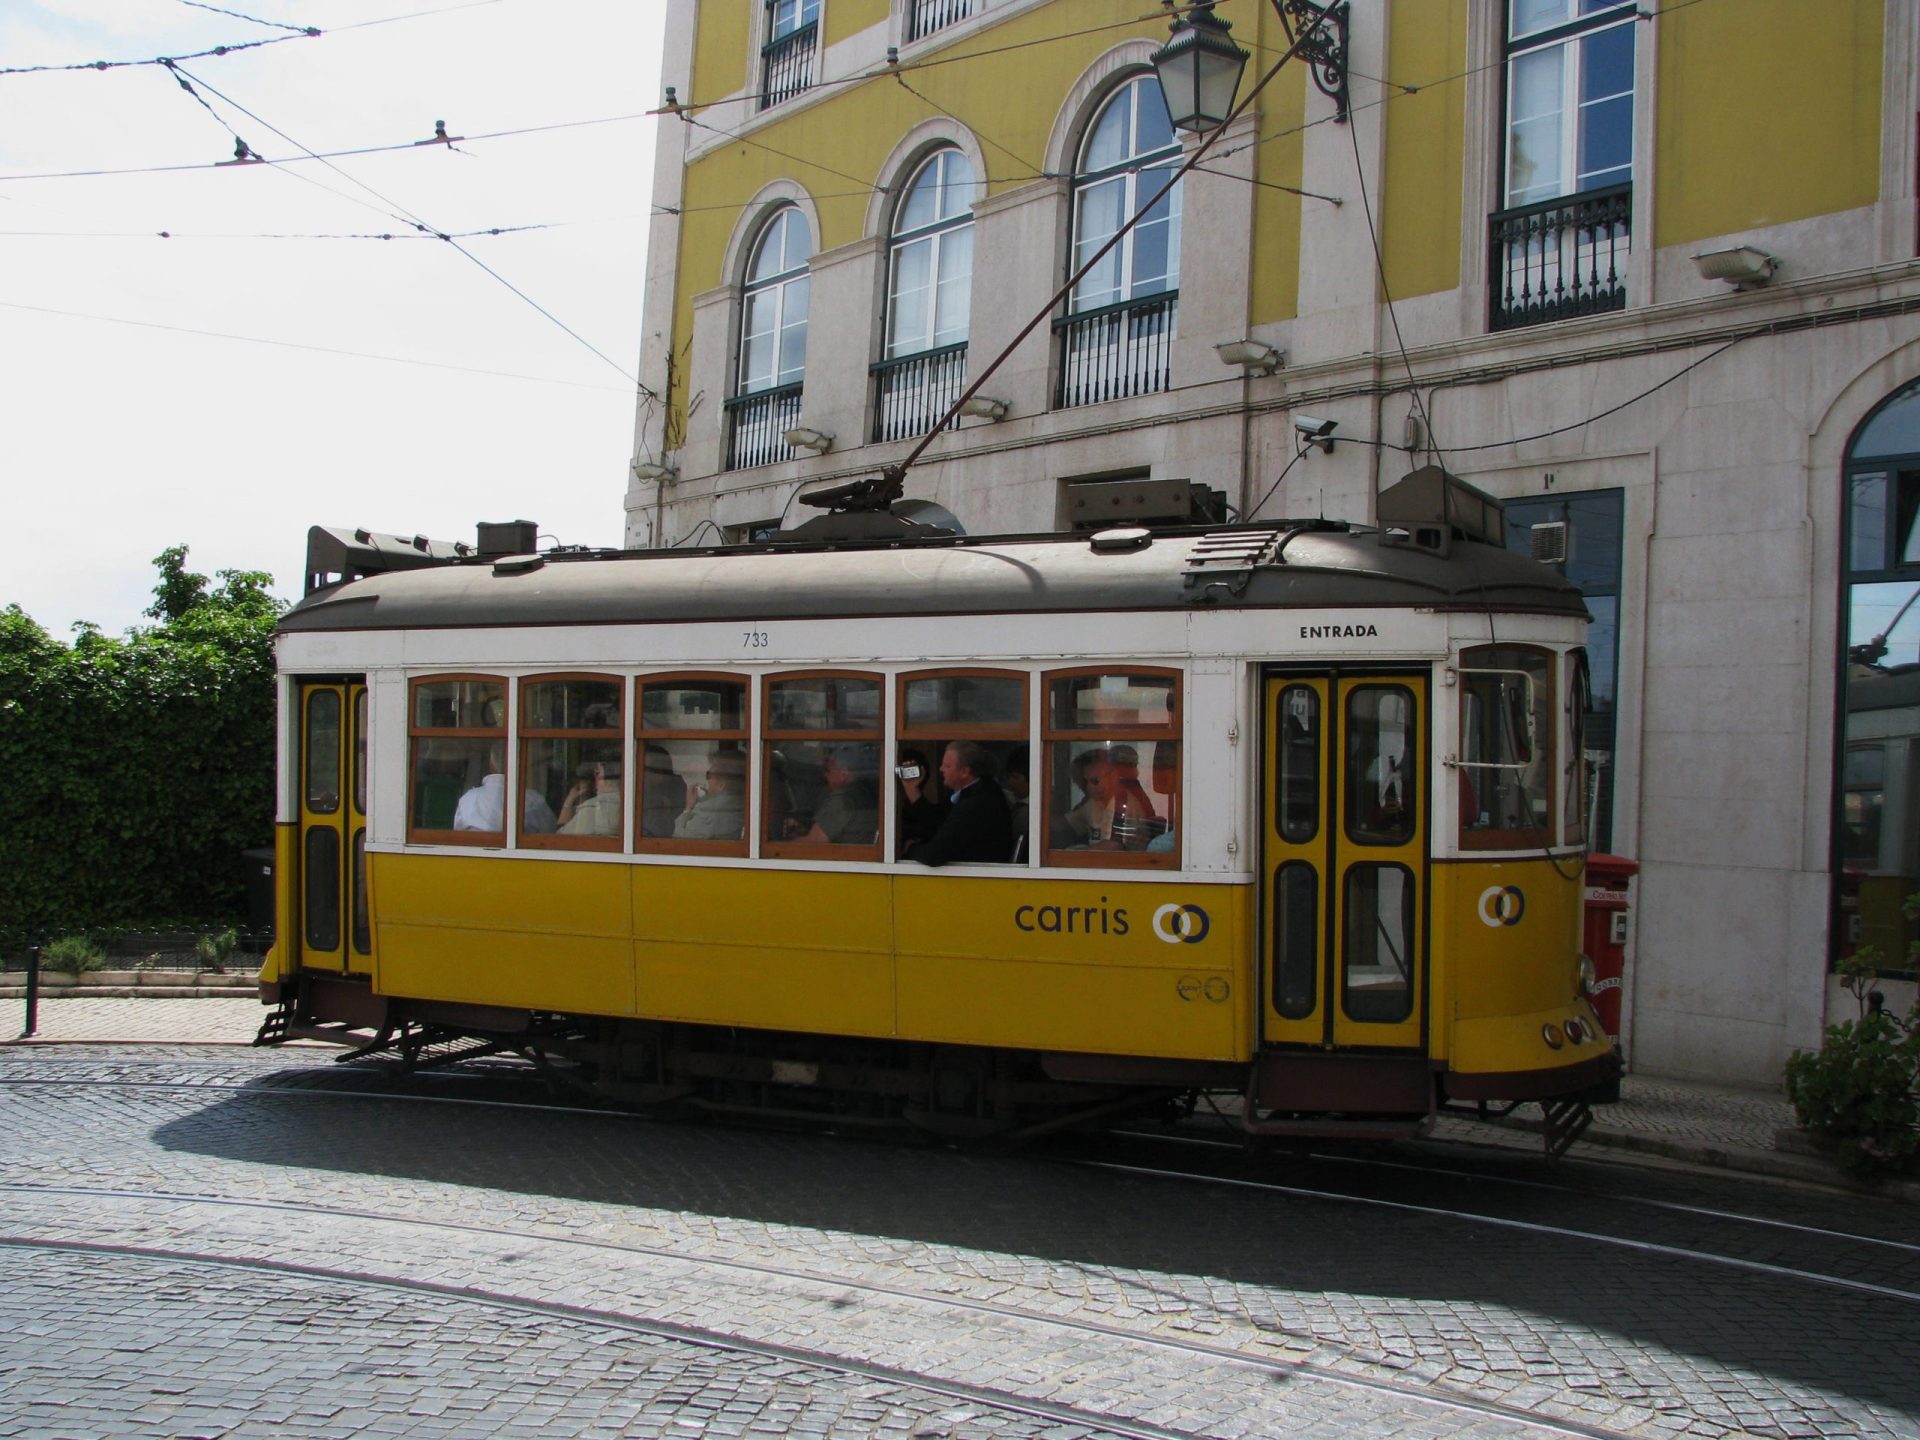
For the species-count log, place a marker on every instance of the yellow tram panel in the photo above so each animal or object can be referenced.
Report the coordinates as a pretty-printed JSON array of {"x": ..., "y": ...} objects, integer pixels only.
[
  {"x": 772, "y": 949},
  {"x": 533, "y": 934},
  {"x": 1099, "y": 967},
  {"x": 1498, "y": 921}
]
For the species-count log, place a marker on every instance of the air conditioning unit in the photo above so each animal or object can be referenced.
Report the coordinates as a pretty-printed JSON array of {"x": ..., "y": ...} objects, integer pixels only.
[{"x": 1552, "y": 542}]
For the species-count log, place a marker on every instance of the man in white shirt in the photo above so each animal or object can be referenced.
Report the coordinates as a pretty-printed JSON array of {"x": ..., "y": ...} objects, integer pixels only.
[{"x": 484, "y": 807}]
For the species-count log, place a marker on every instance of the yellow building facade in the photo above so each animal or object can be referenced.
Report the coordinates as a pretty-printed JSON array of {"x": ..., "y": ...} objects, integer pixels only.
[{"x": 1646, "y": 272}]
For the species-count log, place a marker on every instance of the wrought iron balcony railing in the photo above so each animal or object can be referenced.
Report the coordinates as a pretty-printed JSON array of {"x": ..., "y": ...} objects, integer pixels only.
[
  {"x": 1116, "y": 351},
  {"x": 786, "y": 65},
  {"x": 912, "y": 392},
  {"x": 757, "y": 426},
  {"x": 927, "y": 16},
  {"x": 1560, "y": 258}
]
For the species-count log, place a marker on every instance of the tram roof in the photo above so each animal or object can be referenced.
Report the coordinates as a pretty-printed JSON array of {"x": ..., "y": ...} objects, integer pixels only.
[{"x": 1302, "y": 564}]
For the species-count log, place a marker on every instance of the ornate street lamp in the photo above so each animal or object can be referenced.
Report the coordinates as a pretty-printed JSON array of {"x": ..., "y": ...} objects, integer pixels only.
[{"x": 1199, "y": 69}]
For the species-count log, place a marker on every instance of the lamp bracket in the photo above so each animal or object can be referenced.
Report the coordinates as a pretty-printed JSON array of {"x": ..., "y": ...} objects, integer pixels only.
[{"x": 1325, "y": 49}]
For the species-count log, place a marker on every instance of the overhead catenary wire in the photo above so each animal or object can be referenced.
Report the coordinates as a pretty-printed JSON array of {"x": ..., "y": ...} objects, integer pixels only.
[
  {"x": 315, "y": 349},
  {"x": 469, "y": 255}
]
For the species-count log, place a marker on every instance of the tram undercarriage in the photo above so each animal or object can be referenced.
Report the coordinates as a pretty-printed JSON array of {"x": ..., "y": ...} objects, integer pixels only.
[{"x": 950, "y": 1092}]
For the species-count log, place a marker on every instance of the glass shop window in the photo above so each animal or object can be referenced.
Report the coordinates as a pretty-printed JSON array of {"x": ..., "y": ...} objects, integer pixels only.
[
  {"x": 691, "y": 755},
  {"x": 821, "y": 748},
  {"x": 571, "y": 742},
  {"x": 457, "y": 738},
  {"x": 1506, "y": 747},
  {"x": 1112, "y": 745},
  {"x": 987, "y": 707}
]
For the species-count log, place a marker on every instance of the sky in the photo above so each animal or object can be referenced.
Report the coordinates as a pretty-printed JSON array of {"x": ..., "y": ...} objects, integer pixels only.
[{"x": 264, "y": 369}]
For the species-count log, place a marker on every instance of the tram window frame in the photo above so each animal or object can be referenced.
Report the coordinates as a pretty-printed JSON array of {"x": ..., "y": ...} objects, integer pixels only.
[
  {"x": 1071, "y": 741},
  {"x": 320, "y": 748},
  {"x": 602, "y": 737},
  {"x": 1576, "y": 705},
  {"x": 1000, "y": 739},
  {"x": 416, "y": 733},
  {"x": 714, "y": 736},
  {"x": 1544, "y": 706},
  {"x": 792, "y": 847}
]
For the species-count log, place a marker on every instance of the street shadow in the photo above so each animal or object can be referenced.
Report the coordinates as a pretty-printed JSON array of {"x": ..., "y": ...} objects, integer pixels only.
[{"x": 1147, "y": 1238}]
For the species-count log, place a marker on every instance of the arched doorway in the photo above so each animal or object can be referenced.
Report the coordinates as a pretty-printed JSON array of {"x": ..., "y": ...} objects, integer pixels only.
[{"x": 1877, "y": 775}]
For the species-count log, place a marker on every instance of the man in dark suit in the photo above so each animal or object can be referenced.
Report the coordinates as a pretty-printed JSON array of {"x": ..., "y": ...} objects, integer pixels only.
[{"x": 974, "y": 827}]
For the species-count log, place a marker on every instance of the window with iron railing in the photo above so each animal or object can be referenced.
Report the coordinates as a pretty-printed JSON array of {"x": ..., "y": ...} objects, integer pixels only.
[
  {"x": 773, "y": 343},
  {"x": 929, "y": 298},
  {"x": 1117, "y": 337},
  {"x": 926, "y": 16},
  {"x": 786, "y": 59},
  {"x": 1558, "y": 248}
]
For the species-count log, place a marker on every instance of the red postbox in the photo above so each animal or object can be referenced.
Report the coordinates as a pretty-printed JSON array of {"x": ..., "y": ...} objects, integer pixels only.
[{"x": 1608, "y": 877}]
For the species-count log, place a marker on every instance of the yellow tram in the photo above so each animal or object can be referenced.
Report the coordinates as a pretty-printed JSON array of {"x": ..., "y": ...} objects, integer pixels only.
[{"x": 1294, "y": 814}]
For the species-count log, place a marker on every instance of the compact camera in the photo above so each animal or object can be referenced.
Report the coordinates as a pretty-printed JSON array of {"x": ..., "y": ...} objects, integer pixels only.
[{"x": 909, "y": 771}]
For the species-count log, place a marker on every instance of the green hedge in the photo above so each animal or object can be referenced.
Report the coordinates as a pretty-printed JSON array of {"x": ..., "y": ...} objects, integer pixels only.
[{"x": 134, "y": 771}]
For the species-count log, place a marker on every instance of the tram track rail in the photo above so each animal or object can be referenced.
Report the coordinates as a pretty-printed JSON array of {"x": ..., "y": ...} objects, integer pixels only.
[
  {"x": 376, "y": 1086},
  {"x": 1421, "y": 1395}
]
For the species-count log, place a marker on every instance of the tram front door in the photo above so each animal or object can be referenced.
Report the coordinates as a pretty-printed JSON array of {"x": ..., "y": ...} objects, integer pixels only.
[
  {"x": 1345, "y": 825},
  {"x": 330, "y": 898}
]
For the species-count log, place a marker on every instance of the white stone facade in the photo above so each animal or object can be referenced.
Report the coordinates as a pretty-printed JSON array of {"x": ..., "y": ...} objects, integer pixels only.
[{"x": 1729, "y": 631}]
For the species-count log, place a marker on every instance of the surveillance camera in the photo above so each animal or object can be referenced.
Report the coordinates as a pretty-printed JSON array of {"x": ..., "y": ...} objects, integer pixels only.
[{"x": 1314, "y": 429}]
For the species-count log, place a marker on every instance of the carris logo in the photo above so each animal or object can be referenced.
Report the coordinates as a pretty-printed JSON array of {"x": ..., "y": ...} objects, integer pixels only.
[
  {"x": 1181, "y": 924},
  {"x": 1502, "y": 905}
]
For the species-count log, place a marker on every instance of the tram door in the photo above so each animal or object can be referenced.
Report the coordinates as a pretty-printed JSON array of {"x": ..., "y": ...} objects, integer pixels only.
[
  {"x": 331, "y": 897},
  {"x": 1344, "y": 860}
]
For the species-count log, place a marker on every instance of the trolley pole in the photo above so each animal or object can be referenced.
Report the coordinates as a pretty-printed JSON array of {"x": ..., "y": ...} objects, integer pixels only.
[{"x": 33, "y": 993}]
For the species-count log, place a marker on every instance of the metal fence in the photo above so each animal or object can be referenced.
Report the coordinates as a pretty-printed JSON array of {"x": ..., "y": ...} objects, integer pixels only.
[
  {"x": 927, "y": 16},
  {"x": 1561, "y": 258},
  {"x": 910, "y": 393},
  {"x": 786, "y": 65},
  {"x": 757, "y": 426},
  {"x": 142, "y": 949},
  {"x": 1116, "y": 351}
]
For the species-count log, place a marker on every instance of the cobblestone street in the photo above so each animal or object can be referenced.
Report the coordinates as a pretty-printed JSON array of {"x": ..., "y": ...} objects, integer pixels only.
[{"x": 211, "y": 1242}]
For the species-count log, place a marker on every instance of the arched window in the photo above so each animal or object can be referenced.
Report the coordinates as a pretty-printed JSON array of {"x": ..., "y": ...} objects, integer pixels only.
[
  {"x": 1118, "y": 334},
  {"x": 929, "y": 298},
  {"x": 773, "y": 342},
  {"x": 1877, "y": 775}
]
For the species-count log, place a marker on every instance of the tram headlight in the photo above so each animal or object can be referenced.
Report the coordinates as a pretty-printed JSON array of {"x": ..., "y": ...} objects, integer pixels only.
[
  {"x": 1584, "y": 976},
  {"x": 1550, "y": 1033}
]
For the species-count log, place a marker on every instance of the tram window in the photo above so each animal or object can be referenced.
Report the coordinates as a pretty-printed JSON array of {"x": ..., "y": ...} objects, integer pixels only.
[
  {"x": 321, "y": 878},
  {"x": 987, "y": 707},
  {"x": 1579, "y": 700},
  {"x": 1376, "y": 963},
  {"x": 570, "y": 762},
  {"x": 1297, "y": 767},
  {"x": 1506, "y": 747},
  {"x": 362, "y": 930},
  {"x": 323, "y": 751},
  {"x": 691, "y": 758},
  {"x": 457, "y": 780},
  {"x": 821, "y": 757},
  {"x": 360, "y": 753},
  {"x": 1382, "y": 784},
  {"x": 1112, "y": 743},
  {"x": 1296, "y": 940}
]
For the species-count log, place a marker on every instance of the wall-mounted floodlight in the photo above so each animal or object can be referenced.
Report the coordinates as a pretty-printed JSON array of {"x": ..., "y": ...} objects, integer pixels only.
[
  {"x": 984, "y": 407},
  {"x": 1253, "y": 356},
  {"x": 650, "y": 470},
  {"x": 1741, "y": 266},
  {"x": 803, "y": 437},
  {"x": 1315, "y": 431}
]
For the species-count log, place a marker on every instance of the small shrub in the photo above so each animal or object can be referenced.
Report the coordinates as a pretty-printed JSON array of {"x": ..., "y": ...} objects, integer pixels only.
[
  {"x": 216, "y": 949},
  {"x": 73, "y": 955},
  {"x": 1861, "y": 1089}
]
